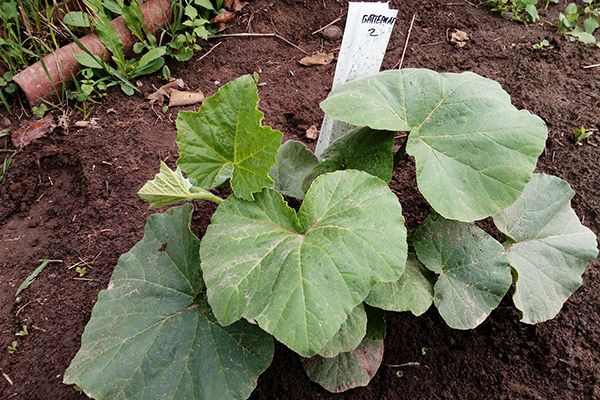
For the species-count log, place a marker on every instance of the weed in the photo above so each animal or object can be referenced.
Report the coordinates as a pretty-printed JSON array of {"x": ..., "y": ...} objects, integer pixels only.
[
  {"x": 40, "y": 110},
  {"x": 34, "y": 274},
  {"x": 7, "y": 86},
  {"x": 12, "y": 348},
  {"x": 580, "y": 134},
  {"x": 6, "y": 164},
  {"x": 517, "y": 10},
  {"x": 23, "y": 332},
  {"x": 81, "y": 271},
  {"x": 580, "y": 22},
  {"x": 256, "y": 78},
  {"x": 538, "y": 46}
]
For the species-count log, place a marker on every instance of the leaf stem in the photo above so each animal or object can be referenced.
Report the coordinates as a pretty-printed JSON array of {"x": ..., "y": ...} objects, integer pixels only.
[{"x": 203, "y": 194}]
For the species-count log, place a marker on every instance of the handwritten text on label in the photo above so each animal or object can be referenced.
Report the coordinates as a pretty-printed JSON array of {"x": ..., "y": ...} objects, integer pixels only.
[{"x": 378, "y": 19}]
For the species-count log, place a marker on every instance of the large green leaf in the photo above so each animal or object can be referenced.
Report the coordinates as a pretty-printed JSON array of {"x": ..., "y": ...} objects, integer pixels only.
[
  {"x": 225, "y": 138},
  {"x": 152, "y": 334},
  {"x": 299, "y": 276},
  {"x": 294, "y": 163},
  {"x": 170, "y": 187},
  {"x": 350, "y": 334},
  {"x": 346, "y": 370},
  {"x": 474, "y": 270},
  {"x": 473, "y": 150},
  {"x": 412, "y": 292},
  {"x": 552, "y": 247}
]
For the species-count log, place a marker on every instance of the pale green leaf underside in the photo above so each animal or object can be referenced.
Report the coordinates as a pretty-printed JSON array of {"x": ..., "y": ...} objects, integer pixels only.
[
  {"x": 148, "y": 339},
  {"x": 552, "y": 250},
  {"x": 350, "y": 334},
  {"x": 346, "y": 370},
  {"x": 474, "y": 270},
  {"x": 170, "y": 187},
  {"x": 294, "y": 163},
  {"x": 226, "y": 133},
  {"x": 412, "y": 292},
  {"x": 299, "y": 276},
  {"x": 473, "y": 150}
]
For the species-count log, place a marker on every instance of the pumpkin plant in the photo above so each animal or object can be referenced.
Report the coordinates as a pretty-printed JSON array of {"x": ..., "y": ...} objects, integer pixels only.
[{"x": 188, "y": 319}]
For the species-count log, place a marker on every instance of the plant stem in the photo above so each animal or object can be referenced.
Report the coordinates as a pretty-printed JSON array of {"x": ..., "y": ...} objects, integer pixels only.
[{"x": 202, "y": 194}]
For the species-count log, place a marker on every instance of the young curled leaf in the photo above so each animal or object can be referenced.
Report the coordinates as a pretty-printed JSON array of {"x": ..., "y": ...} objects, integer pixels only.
[{"x": 170, "y": 187}]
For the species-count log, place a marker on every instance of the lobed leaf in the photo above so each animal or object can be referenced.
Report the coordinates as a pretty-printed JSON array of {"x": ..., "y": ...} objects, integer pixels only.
[
  {"x": 474, "y": 151},
  {"x": 552, "y": 247},
  {"x": 300, "y": 275},
  {"x": 474, "y": 271},
  {"x": 225, "y": 139},
  {"x": 152, "y": 334}
]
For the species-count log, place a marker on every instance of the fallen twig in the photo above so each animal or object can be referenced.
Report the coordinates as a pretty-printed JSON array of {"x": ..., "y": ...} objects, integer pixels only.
[
  {"x": 208, "y": 52},
  {"x": 408, "y": 364},
  {"x": 329, "y": 24},
  {"x": 258, "y": 35},
  {"x": 7, "y": 378},
  {"x": 591, "y": 66},
  {"x": 406, "y": 44}
]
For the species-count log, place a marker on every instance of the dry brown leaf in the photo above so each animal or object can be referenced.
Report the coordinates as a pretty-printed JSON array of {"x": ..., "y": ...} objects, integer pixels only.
[
  {"x": 312, "y": 132},
  {"x": 81, "y": 124},
  {"x": 163, "y": 91},
  {"x": 459, "y": 38},
  {"x": 234, "y": 5},
  {"x": 221, "y": 27},
  {"x": 317, "y": 59},
  {"x": 33, "y": 130},
  {"x": 5, "y": 122},
  {"x": 224, "y": 17},
  {"x": 177, "y": 98}
]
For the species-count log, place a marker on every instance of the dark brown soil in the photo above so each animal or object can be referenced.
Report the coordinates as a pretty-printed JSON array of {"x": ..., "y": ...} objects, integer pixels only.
[{"x": 72, "y": 196}]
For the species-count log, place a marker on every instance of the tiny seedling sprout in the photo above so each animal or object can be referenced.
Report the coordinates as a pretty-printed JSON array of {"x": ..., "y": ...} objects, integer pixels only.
[
  {"x": 541, "y": 45},
  {"x": 23, "y": 332},
  {"x": 580, "y": 134},
  {"x": 13, "y": 347}
]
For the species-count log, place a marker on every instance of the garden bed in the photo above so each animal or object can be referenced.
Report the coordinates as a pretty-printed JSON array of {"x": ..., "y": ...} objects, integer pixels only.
[{"x": 72, "y": 196}]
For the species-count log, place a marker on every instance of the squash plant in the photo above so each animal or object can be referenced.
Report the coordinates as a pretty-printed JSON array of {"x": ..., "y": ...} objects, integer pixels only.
[{"x": 188, "y": 319}]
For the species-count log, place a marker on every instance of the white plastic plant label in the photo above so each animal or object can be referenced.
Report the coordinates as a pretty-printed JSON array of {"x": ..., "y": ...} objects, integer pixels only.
[{"x": 368, "y": 30}]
